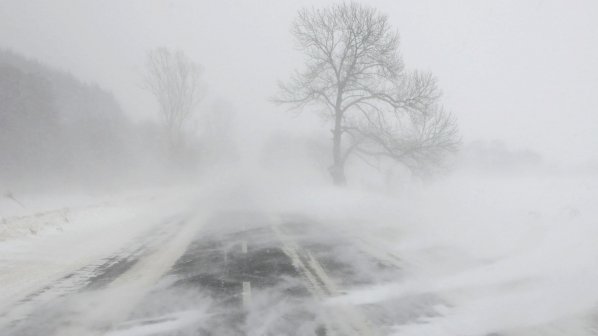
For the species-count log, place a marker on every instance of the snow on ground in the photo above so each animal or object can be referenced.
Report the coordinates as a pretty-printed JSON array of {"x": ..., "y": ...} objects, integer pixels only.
[
  {"x": 510, "y": 255},
  {"x": 513, "y": 255},
  {"x": 48, "y": 243},
  {"x": 22, "y": 216},
  {"x": 169, "y": 323}
]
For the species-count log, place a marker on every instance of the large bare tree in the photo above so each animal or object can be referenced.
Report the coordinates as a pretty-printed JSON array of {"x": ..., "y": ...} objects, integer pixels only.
[
  {"x": 175, "y": 82},
  {"x": 355, "y": 77}
]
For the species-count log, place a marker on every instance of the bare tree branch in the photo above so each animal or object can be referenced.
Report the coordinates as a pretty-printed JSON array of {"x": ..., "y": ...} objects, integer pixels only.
[
  {"x": 175, "y": 82},
  {"x": 355, "y": 75}
]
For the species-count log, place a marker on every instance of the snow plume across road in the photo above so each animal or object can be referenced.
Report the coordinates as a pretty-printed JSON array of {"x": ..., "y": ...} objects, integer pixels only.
[
  {"x": 474, "y": 256},
  {"x": 504, "y": 255}
]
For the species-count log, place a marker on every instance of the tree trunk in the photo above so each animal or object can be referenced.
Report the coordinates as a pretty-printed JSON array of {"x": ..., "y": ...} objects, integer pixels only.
[
  {"x": 337, "y": 170},
  {"x": 338, "y": 175}
]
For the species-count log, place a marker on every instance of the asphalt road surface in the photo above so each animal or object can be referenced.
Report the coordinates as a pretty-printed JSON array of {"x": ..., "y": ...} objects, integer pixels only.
[{"x": 236, "y": 273}]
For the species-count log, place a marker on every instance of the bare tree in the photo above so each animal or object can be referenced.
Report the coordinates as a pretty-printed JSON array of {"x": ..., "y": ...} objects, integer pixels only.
[
  {"x": 355, "y": 77},
  {"x": 175, "y": 82}
]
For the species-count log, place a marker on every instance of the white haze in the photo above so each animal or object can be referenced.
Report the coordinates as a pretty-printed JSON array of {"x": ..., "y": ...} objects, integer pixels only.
[
  {"x": 518, "y": 71},
  {"x": 505, "y": 235}
]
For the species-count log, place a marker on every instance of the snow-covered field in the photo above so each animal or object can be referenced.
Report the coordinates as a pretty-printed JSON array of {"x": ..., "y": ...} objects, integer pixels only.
[
  {"x": 510, "y": 255},
  {"x": 31, "y": 215}
]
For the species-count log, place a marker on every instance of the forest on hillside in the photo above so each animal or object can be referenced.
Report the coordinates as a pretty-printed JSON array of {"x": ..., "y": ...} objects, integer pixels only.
[{"x": 56, "y": 130}]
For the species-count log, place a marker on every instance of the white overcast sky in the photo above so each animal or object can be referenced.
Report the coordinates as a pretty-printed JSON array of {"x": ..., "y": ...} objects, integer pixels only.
[{"x": 525, "y": 72}]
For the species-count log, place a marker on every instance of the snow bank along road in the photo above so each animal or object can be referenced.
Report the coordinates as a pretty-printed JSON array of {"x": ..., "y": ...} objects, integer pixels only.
[{"x": 230, "y": 273}]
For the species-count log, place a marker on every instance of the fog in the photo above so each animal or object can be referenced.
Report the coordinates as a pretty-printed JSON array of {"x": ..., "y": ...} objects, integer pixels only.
[{"x": 137, "y": 137}]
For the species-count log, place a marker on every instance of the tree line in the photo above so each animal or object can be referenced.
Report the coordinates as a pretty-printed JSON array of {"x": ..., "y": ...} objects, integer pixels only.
[{"x": 58, "y": 131}]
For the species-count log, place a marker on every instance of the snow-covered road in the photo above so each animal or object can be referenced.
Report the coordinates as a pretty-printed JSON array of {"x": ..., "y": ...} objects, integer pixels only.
[
  {"x": 236, "y": 262},
  {"x": 73, "y": 253},
  {"x": 227, "y": 273}
]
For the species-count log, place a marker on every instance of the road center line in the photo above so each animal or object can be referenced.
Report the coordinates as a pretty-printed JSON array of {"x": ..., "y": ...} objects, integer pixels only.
[
  {"x": 348, "y": 320},
  {"x": 246, "y": 294}
]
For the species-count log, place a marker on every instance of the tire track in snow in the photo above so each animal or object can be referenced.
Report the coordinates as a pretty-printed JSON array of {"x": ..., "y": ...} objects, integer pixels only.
[
  {"x": 93, "y": 276},
  {"x": 131, "y": 286},
  {"x": 75, "y": 299}
]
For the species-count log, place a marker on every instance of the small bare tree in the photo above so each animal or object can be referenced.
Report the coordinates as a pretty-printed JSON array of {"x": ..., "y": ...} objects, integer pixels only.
[
  {"x": 355, "y": 77},
  {"x": 175, "y": 82}
]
